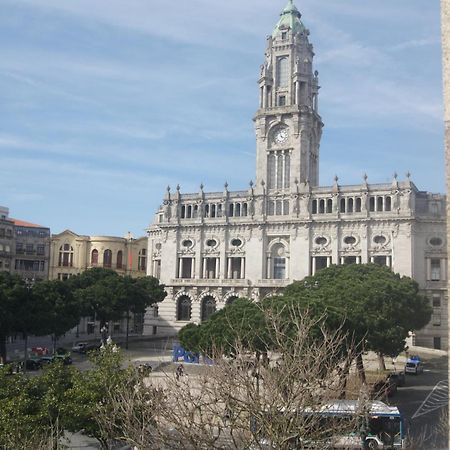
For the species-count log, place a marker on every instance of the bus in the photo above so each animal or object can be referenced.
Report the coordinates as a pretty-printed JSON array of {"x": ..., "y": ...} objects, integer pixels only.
[
  {"x": 338, "y": 424},
  {"x": 380, "y": 425}
]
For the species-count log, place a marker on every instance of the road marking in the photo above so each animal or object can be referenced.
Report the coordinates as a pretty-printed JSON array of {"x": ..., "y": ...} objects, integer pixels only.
[{"x": 436, "y": 399}]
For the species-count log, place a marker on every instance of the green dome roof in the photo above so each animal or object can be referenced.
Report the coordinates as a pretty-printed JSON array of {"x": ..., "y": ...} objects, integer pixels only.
[{"x": 290, "y": 18}]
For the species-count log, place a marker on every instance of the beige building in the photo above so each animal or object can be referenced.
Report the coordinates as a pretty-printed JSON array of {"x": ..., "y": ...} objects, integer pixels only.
[
  {"x": 72, "y": 254},
  {"x": 209, "y": 248}
]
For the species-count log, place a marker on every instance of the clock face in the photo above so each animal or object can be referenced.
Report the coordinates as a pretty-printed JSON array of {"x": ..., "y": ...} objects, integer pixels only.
[{"x": 281, "y": 136}]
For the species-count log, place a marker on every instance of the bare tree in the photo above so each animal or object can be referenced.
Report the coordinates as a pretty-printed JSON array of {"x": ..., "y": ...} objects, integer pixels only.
[{"x": 253, "y": 400}]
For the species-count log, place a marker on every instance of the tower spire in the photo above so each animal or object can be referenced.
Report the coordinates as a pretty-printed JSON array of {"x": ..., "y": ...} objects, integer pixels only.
[{"x": 290, "y": 19}]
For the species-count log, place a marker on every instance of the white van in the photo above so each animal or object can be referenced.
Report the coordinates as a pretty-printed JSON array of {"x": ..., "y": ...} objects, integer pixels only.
[{"x": 413, "y": 366}]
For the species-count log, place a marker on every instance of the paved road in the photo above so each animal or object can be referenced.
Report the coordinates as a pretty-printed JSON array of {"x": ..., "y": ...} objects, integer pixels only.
[{"x": 424, "y": 401}]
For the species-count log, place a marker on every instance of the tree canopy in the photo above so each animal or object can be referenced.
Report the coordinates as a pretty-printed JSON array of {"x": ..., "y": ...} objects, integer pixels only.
[{"x": 372, "y": 305}]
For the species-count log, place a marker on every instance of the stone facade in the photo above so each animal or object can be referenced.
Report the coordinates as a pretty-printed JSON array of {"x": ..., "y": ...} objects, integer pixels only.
[{"x": 210, "y": 248}]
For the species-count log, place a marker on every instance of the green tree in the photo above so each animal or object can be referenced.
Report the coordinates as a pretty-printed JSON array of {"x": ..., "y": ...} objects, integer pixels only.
[
  {"x": 135, "y": 295},
  {"x": 243, "y": 320},
  {"x": 376, "y": 307},
  {"x": 61, "y": 309},
  {"x": 109, "y": 296},
  {"x": 11, "y": 294}
]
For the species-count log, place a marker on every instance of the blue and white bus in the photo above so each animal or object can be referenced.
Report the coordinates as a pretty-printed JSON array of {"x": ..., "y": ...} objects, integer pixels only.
[
  {"x": 380, "y": 425},
  {"x": 338, "y": 424}
]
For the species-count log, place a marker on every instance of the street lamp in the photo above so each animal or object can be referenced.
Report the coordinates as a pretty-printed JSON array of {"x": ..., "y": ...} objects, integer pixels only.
[{"x": 104, "y": 334}]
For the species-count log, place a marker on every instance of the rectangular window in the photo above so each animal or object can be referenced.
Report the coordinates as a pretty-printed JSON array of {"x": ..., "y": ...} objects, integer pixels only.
[
  {"x": 186, "y": 267},
  {"x": 436, "y": 319},
  {"x": 40, "y": 249},
  {"x": 350, "y": 260},
  {"x": 19, "y": 248},
  {"x": 435, "y": 269},
  {"x": 279, "y": 268},
  {"x": 209, "y": 269},
  {"x": 157, "y": 270},
  {"x": 436, "y": 301},
  {"x": 380, "y": 260},
  {"x": 282, "y": 100},
  {"x": 321, "y": 262},
  {"x": 235, "y": 268},
  {"x": 437, "y": 343},
  {"x": 2, "y": 232},
  {"x": 29, "y": 249}
]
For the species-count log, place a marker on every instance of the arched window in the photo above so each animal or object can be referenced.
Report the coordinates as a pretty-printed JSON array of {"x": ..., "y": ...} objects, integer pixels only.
[
  {"x": 282, "y": 71},
  {"x": 388, "y": 204},
  {"x": 142, "y": 260},
  {"x": 231, "y": 299},
  {"x": 206, "y": 211},
  {"x": 329, "y": 206},
  {"x": 342, "y": 208},
  {"x": 372, "y": 204},
  {"x": 358, "y": 205},
  {"x": 195, "y": 213},
  {"x": 65, "y": 256},
  {"x": 244, "y": 210},
  {"x": 350, "y": 205},
  {"x": 314, "y": 207},
  {"x": 238, "y": 210},
  {"x": 94, "y": 257},
  {"x": 208, "y": 307},
  {"x": 213, "y": 211},
  {"x": 231, "y": 210},
  {"x": 184, "y": 306},
  {"x": 189, "y": 212},
  {"x": 183, "y": 212},
  {"x": 107, "y": 258},
  {"x": 321, "y": 206},
  {"x": 379, "y": 203},
  {"x": 119, "y": 259}
]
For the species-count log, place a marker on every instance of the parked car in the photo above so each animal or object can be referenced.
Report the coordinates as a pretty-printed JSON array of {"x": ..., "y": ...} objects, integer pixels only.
[
  {"x": 66, "y": 359},
  {"x": 32, "y": 364},
  {"x": 413, "y": 366},
  {"x": 79, "y": 347}
]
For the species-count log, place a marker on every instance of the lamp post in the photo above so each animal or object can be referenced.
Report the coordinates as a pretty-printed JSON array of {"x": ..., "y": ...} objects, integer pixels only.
[{"x": 104, "y": 334}]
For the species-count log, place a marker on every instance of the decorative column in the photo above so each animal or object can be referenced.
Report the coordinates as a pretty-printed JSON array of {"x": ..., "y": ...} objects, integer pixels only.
[
  {"x": 442, "y": 265},
  {"x": 229, "y": 275},
  {"x": 342, "y": 260},
  {"x": 372, "y": 259},
  {"x": 329, "y": 261},
  {"x": 389, "y": 261},
  {"x": 217, "y": 267},
  {"x": 313, "y": 269},
  {"x": 269, "y": 267},
  {"x": 193, "y": 268},
  {"x": 205, "y": 266},
  {"x": 242, "y": 275},
  {"x": 358, "y": 260},
  {"x": 428, "y": 262},
  {"x": 180, "y": 267}
]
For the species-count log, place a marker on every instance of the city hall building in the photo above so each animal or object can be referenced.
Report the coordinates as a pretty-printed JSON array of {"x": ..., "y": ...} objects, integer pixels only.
[{"x": 210, "y": 248}]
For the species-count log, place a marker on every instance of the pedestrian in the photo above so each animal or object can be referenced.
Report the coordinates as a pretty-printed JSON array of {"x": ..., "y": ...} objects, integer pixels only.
[{"x": 179, "y": 371}]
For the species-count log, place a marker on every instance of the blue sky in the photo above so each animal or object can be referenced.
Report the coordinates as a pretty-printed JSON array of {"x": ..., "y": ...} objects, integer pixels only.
[{"x": 103, "y": 103}]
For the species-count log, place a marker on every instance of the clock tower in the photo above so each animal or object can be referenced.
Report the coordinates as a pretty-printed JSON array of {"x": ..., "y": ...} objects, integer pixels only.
[{"x": 288, "y": 124}]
